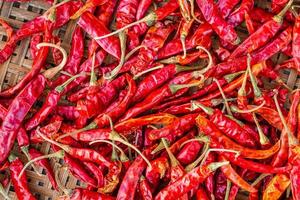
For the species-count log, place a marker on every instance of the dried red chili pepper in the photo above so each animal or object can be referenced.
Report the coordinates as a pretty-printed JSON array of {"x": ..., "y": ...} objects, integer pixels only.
[
  {"x": 17, "y": 112},
  {"x": 201, "y": 194},
  {"x": 63, "y": 13},
  {"x": 142, "y": 8},
  {"x": 80, "y": 193},
  {"x": 89, "y": 4},
  {"x": 276, "y": 187},
  {"x": 226, "y": 6},
  {"x": 9, "y": 30},
  {"x": 19, "y": 183},
  {"x": 212, "y": 16},
  {"x": 158, "y": 170},
  {"x": 188, "y": 181},
  {"x": 237, "y": 16},
  {"x": 34, "y": 41},
  {"x": 44, "y": 163},
  {"x": 255, "y": 40},
  {"x": 144, "y": 188}
]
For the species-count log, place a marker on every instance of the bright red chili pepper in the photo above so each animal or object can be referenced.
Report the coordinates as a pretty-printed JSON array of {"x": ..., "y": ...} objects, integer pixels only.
[
  {"x": 145, "y": 189},
  {"x": 17, "y": 112},
  {"x": 212, "y": 16},
  {"x": 226, "y": 6},
  {"x": 142, "y": 8},
  {"x": 80, "y": 194},
  {"x": 20, "y": 184},
  {"x": 158, "y": 170},
  {"x": 237, "y": 16}
]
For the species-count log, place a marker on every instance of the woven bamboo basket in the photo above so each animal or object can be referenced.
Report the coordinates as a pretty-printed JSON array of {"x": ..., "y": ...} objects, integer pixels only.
[{"x": 20, "y": 63}]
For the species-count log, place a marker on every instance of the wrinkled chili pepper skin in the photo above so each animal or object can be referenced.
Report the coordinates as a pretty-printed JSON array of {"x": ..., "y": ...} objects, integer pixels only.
[
  {"x": 44, "y": 163},
  {"x": 226, "y": 6},
  {"x": 184, "y": 184},
  {"x": 130, "y": 181},
  {"x": 159, "y": 167},
  {"x": 237, "y": 16},
  {"x": 212, "y": 16},
  {"x": 145, "y": 189},
  {"x": 155, "y": 97},
  {"x": 142, "y": 8},
  {"x": 17, "y": 112},
  {"x": 296, "y": 43},
  {"x": 189, "y": 152},
  {"x": 37, "y": 25},
  {"x": 96, "y": 28},
  {"x": 201, "y": 194},
  {"x": 276, "y": 187},
  {"x": 20, "y": 184}
]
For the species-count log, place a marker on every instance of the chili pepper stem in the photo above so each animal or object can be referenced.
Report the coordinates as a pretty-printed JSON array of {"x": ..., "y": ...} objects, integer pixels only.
[
  {"x": 149, "y": 19},
  {"x": 58, "y": 154},
  {"x": 50, "y": 73},
  {"x": 279, "y": 17},
  {"x": 159, "y": 147},
  {"x": 262, "y": 137},
  {"x": 256, "y": 89},
  {"x": 242, "y": 90},
  {"x": 260, "y": 178},
  {"x": 216, "y": 165},
  {"x": 204, "y": 139},
  {"x": 93, "y": 79},
  {"x": 175, "y": 87},
  {"x": 237, "y": 153},
  {"x": 210, "y": 59},
  {"x": 91, "y": 126},
  {"x": 135, "y": 77},
  {"x": 24, "y": 149},
  {"x": 62, "y": 146},
  {"x": 293, "y": 141},
  {"x": 54, "y": 7},
  {"x": 111, "y": 75},
  {"x": 134, "y": 50},
  {"x": 174, "y": 161},
  {"x": 193, "y": 11},
  {"x": 227, "y": 193},
  {"x": 113, "y": 144},
  {"x": 224, "y": 97},
  {"x": 231, "y": 77},
  {"x": 61, "y": 87},
  {"x": 237, "y": 110},
  {"x": 195, "y": 105},
  {"x": 182, "y": 40}
]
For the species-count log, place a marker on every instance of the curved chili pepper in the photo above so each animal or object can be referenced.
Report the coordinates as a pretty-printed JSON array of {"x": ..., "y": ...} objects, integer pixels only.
[
  {"x": 38, "y": 63},
  {"x": 237, "y": 16},
  {"x": 130, "y": 181},
  {"x": 249, "y": 23},
  {"x": 44, "y": 163},
  {"x": 144, "y": 188},
  {"x": 157, "y": 96},
  {"x": 188, "y": 181},
  {"x": 235, "y": 178},
  {"x": 223, "y": 141},
  {"x": 212, "y": 16},
  {"x": 177, "y": 128},
  {"x": 96, "y": 28},
  {"x": 96, "y": 171},
  {"x": 226, "y": 6},
  {"x": 189, "y": 152},
  {"x": 20, "y": 184},
  {"x": 36, "y": 25},
  {"x": 260, "y": 37},
  {"x": 276, "y": 187},
  {"x": 80, "y": 194},
  {"x": 17, "y": 112},
  {"x": 89, "y": 4},
  {"x": 142, "y": 8}
]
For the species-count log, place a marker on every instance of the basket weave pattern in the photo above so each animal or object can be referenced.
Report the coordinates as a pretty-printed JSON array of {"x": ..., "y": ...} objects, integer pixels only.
[{"x": 20, "y": 63}]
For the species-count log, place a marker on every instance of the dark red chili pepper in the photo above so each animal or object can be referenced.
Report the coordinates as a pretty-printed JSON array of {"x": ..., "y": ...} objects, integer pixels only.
[
  {"x": 96, "y": 28},
  {"x": 20, "y": 184},
  {"x": 35, "y": 40},
  {"x": 36, "y": 25},
  {"x": 96, "y": 171},
  {"x": 38, "y": 63},
  {"x": 44, "y": 163},
  {"x": 158, "y": 170},
  {"x": 188, "y": 181},
  {"x": 260, "y": 15},
  {"x": 144, "y": 188},
  {"x": 157, "y": 96},
  {"x": 226, "y": 6},
  {"x": 201, "y": 194},
  {"x": 220, "y": 185},
  {"x": 17, "y": 112},
  {"x": 189, "y": 152},
  {"x": 68, "y": 112},
  {"x": 142, "y": 8},
  {"x": 212, "y": 16},
  {"x": 255, "y": 40}
]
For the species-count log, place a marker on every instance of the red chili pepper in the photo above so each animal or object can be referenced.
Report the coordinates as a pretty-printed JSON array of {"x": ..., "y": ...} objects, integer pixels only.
[
  {"x": 96, "y": 28},
  {"x": 20, "y": 184},
  {"x": 296, "y": 43},
  {"x": 142, "y": 8},
  {"x": 44, "y": 163},
  {"x": 130, "y": 181},
  {"x": 36, "y": 25},
  {"x": 226, "y": 6},
  {"x": 188, "y": 181},
  {"x": 276, "y": 187},
  {"x": 177, "y": 128},
  {"x": 255, "y": 41},
  {"x": 201, "y": 194},
  {"x": 88, "y": 5},
  {"x": 34, "y": 41},
  {"x": 17, "y": 112},
  {"x": 189, "y": 152},
  {"x": 96, "y": 171},
  {"x": 212, "y": 16},
  {"x": 158, "y": 170},
  {"x": 237, "y": 16},
  {"x": 145, "y": 189},
  {"x": 157, "y": 96},
  {"x": 249, "y": 23},
  {"x": 38, "y": 63}
]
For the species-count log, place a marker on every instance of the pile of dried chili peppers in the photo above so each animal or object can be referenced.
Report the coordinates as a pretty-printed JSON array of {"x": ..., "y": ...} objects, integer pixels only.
[{"x": 174, "y": 99}]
